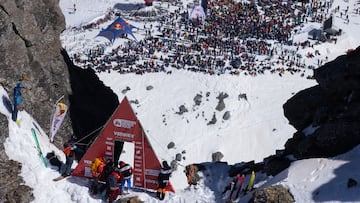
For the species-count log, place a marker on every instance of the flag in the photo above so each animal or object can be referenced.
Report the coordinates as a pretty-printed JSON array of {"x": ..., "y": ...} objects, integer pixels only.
[{"x": 58, "y": 117}]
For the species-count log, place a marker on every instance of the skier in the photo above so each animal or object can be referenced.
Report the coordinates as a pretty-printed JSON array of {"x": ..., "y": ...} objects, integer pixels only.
[
  {"x": 126, "y": 171},
  {"x": 163, "y": 180},
  {"x": 17, "y": 101}
]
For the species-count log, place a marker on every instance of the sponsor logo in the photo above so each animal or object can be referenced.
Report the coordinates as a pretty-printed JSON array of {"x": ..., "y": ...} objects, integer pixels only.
[
  {"x": 122, "y": 123},
  {"x": 125, "y": 135}
]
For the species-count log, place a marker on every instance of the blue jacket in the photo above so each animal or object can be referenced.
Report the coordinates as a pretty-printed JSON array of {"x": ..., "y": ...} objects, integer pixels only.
[{"x": 17, "y": 94}]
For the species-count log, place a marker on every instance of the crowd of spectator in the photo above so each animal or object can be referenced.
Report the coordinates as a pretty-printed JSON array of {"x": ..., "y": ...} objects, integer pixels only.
[{"x": 236, "y": 38}]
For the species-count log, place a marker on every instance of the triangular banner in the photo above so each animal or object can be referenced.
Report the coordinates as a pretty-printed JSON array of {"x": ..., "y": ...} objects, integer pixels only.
[{"x": 124, "y": 126}]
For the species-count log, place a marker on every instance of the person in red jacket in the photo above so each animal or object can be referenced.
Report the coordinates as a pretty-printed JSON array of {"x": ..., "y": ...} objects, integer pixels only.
[
  {"x": 68, "y": 150},
  {"x": 112, "y": 185}
]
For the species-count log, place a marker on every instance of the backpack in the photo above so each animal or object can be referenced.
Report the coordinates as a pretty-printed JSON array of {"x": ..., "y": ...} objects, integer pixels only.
[{"x": 95, "y": 164}]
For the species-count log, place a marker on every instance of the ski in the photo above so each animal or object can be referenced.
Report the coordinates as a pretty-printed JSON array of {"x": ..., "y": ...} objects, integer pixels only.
[
  {"x": 60, "y": 178},
  {"x": 37, "y": 127},
  {"x": 38, "y": 147},
  {"x": 240, "y": 185},
  {"x": 251, "y": 183},
  {"x": 232, "y": 190},
  {"x": 233, "y": 187}
]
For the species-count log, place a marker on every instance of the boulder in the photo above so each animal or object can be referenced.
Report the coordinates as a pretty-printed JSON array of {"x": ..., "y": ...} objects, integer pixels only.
[
  {"x": 213, "y": 120},
  {"x": 150, "y": 87},
  {"x": 275, "y": 193},
  {"x": 171, "y": 145},
  {"x": 226, "y": 115},
  {"x": 197, "y": 99},
  {"x": 217, "y": 156},
  {"x": 178, "y": 157},
  {"x": 182, "y": 110}
]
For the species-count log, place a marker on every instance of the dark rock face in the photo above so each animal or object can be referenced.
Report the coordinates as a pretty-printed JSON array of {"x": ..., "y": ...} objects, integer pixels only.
[
  {"x": 92, "y": 103},
  {"x": 332, "y": 107},
  {"x": 276, "y": 193},
  {"x": 30, "y": 49},
  {"x": 300, "y": 116},
  {"x": 275, "y": 164}
]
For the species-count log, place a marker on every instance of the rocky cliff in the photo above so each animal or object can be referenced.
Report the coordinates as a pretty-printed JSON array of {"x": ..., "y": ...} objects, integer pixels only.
[
  {"x": 30, "y": 49},
  {"x": 326, "y": 116}
]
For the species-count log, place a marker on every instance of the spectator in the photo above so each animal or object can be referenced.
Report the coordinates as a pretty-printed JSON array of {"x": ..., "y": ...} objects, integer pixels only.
[
  {"x": 68, "y": 150},
  {"x": 126, "y": 171},
  {"x": 163, "y": 180}
]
